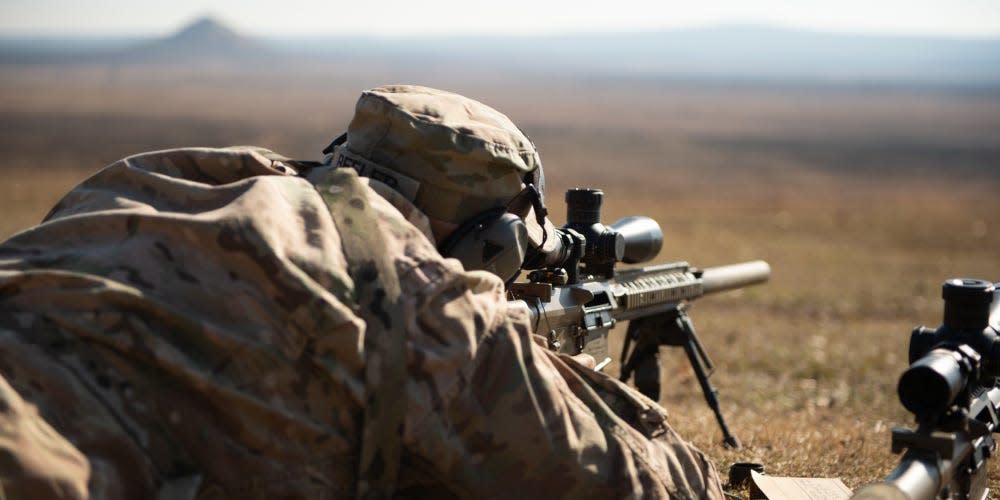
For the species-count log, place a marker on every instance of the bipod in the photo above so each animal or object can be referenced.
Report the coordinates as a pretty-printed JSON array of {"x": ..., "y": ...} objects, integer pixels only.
[{"x": 671, "y": 328}]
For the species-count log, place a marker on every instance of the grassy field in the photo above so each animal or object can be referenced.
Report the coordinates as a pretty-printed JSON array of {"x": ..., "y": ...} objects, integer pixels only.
[{"x": 863, "y": 200}]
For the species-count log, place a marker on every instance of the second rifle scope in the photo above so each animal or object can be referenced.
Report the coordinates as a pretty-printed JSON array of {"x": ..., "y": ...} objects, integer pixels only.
[{"x": 965, "y": 349}]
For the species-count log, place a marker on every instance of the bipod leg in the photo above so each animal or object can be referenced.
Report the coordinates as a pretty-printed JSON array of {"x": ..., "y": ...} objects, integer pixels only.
[
  {"x": 644, "y": 360},
  {"x": 703, "y": 369}
]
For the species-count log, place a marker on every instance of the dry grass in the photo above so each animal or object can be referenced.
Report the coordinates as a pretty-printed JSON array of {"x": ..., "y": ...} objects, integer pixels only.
[
  {"x": 807, "y": 365},
  {"x": 862, "y": 201}
]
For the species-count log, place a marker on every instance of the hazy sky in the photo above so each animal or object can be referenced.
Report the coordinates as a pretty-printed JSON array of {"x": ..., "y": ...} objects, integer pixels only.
[{"x": 977, "y": 18}]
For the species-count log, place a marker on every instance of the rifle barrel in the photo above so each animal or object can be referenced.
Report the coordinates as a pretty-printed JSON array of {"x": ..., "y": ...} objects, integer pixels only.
[
  {"x": 916, "y": 478},
  {"x": 718, "y": 279}
]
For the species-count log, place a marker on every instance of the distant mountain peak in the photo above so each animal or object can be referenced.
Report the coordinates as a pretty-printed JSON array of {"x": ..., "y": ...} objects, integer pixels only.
[
  {"x": 205, "y": 39},
  {"x": 207, "y": 29},
  {"x": 205, "y": 23}
]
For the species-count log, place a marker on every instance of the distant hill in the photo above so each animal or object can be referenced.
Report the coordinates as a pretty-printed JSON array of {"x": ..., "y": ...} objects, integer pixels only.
[
  {"x": 722, "y": 53},
  {"x": 205, "y": 39}
]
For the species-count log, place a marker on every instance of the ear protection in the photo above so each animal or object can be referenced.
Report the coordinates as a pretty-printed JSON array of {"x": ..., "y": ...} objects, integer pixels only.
[{"x": 497, "y": 239}]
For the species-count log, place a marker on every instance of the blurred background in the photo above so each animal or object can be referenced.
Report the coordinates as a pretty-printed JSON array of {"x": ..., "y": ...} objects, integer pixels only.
[{"x": 853, "y": 145}]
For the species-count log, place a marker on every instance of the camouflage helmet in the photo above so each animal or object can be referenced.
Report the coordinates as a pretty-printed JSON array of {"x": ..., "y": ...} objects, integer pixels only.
[{"x": 452, "y": 156}]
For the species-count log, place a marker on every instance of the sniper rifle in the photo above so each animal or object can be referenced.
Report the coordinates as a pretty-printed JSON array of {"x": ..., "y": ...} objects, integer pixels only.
[{"x": 575, "y": 296}]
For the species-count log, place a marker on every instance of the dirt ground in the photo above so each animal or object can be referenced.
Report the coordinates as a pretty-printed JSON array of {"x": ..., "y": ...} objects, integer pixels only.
[{"x": 862, "y": 199}]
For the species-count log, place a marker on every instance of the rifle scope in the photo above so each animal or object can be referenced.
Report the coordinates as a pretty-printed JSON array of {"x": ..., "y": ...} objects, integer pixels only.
[
  {"x": 963, "y": 351},
  {"x": 585, "y": 240}
]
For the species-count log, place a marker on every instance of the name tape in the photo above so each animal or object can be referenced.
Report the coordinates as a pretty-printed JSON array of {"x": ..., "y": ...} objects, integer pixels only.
[{"x": 403, "y": 184}]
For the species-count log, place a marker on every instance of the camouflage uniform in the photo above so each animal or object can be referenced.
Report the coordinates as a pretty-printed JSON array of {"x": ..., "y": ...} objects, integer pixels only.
[{"x": 199, "y": 323}]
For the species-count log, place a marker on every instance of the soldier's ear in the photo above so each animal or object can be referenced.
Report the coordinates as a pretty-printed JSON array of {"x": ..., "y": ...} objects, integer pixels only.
[{"x": 495, "y": 241}]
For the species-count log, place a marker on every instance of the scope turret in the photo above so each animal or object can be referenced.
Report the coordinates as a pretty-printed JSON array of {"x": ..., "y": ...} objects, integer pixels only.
[
  {"x": 586, "y": 247},
  {"x": 603, "y": 246}
]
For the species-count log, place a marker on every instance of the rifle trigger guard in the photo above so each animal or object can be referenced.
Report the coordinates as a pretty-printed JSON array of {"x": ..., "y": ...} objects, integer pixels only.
[{"x": 553, "y": 340}]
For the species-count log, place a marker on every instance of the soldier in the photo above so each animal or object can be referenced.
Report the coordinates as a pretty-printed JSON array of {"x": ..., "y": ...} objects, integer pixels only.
[{"x": 216, "y": 323}]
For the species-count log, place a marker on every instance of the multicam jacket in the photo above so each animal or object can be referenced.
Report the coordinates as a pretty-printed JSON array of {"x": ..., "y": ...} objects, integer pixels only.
[{"x": 188, "y": 325}]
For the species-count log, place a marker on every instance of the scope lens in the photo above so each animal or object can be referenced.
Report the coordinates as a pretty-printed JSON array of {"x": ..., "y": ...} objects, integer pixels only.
[
  {"x": 643, "y": 238},
  {"x": 931, "y": 384}
]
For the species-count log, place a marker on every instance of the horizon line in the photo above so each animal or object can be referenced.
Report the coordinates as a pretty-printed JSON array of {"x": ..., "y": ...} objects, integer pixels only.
[{"x": 722, "y": 25}]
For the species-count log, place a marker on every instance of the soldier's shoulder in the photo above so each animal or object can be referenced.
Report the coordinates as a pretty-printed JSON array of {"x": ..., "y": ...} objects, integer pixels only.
[{"x": 210, "y": 165}]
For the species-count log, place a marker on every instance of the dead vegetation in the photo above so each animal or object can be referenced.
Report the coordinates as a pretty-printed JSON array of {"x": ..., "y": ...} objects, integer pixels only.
[{"x": 862, "y": 200}]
